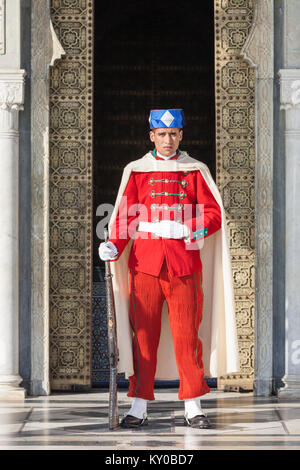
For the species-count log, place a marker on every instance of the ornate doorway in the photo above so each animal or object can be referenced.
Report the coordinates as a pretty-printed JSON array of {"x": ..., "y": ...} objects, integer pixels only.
[
  {"x": 122, "y": 109},
  {"x": 136, "y": 72}
]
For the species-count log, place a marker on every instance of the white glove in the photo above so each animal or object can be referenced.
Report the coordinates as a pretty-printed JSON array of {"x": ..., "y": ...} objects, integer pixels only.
[
  {"x": 108, "y": 251},
  {"x": 171, "y": 229}
]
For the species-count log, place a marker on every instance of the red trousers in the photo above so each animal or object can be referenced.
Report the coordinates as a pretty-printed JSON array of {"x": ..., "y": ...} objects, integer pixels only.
[{"x": 184, "y": 296}]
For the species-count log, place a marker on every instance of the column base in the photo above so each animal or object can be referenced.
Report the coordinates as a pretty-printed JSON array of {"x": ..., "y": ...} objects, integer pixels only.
[
  {"x": 262, "y": 387},
  {"x": 9, "y": 388},
  {"x": 12, "y": 394},
  {"x": 291, "y": 389}
]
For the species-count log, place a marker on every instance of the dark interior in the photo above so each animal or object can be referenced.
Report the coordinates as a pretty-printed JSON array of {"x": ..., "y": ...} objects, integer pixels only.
[{"x": 149, "y": 55}]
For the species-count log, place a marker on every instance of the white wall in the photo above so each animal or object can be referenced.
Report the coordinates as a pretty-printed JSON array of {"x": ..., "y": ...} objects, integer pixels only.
[{"x": 11, "y": 59}]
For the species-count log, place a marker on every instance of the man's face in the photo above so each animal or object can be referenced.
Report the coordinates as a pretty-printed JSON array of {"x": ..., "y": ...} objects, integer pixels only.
[{"x": 166, "y": 140}]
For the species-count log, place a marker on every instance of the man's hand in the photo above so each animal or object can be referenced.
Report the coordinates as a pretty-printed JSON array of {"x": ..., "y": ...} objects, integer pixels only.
[
  {"x": 171, "y": 229},
  {"x": 108, "y": 251}
]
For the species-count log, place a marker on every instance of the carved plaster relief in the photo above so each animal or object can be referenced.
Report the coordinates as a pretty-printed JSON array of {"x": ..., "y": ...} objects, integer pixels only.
[
  {"x": 235, "y": 160},
  {"x": 2, "y": 27},
  {"x": 41, "y": 57},
  {"x": 258, "y": 51}
]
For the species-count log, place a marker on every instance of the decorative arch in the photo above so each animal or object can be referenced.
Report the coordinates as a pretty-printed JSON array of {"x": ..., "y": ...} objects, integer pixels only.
[{"x": 70, "y": 182}]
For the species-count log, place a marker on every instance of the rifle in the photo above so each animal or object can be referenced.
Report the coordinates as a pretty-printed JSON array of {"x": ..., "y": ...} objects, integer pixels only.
[{"x": 112, "y": 346}]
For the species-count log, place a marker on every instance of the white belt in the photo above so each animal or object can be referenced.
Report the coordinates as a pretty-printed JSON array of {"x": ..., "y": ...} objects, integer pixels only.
[{"x": 147, "y": 227}]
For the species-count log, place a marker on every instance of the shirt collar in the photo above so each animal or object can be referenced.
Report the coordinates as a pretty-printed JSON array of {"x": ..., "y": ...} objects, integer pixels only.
[{"x": 154, "y": 153}]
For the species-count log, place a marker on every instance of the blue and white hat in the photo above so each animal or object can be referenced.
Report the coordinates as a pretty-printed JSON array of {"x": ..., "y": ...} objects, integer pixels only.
[{"x": 166, "y": 118}]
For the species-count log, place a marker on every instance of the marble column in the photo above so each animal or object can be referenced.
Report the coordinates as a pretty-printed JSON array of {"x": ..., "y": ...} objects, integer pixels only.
[
  {"x": 290, "y": 102},
  {"x": 11, "y": 101}
]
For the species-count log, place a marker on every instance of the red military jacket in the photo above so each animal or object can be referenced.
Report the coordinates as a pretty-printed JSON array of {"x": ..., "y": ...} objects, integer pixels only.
[{"x": 155, "y": 196}]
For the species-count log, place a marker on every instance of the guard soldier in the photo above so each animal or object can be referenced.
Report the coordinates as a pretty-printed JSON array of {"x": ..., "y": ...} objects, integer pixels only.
[{"x": 168, "y": 242}]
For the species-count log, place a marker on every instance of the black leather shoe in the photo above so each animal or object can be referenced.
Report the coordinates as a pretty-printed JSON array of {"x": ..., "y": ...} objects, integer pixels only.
[
  {"x": 199, "y": 421},
  {"x": 130, "y": 421}
]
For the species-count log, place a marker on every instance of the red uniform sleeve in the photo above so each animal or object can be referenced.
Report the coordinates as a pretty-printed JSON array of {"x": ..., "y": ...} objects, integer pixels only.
[
  {"x": 124, "y": 225},
  {"x": 209, "y": 219}
]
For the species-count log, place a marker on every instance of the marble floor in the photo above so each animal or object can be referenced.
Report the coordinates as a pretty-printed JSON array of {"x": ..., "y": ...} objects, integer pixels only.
[{"x": 79, "y": 421}]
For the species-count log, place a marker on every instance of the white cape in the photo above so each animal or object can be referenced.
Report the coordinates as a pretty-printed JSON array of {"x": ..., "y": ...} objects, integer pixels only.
[{"x": 218, "y": 327}]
